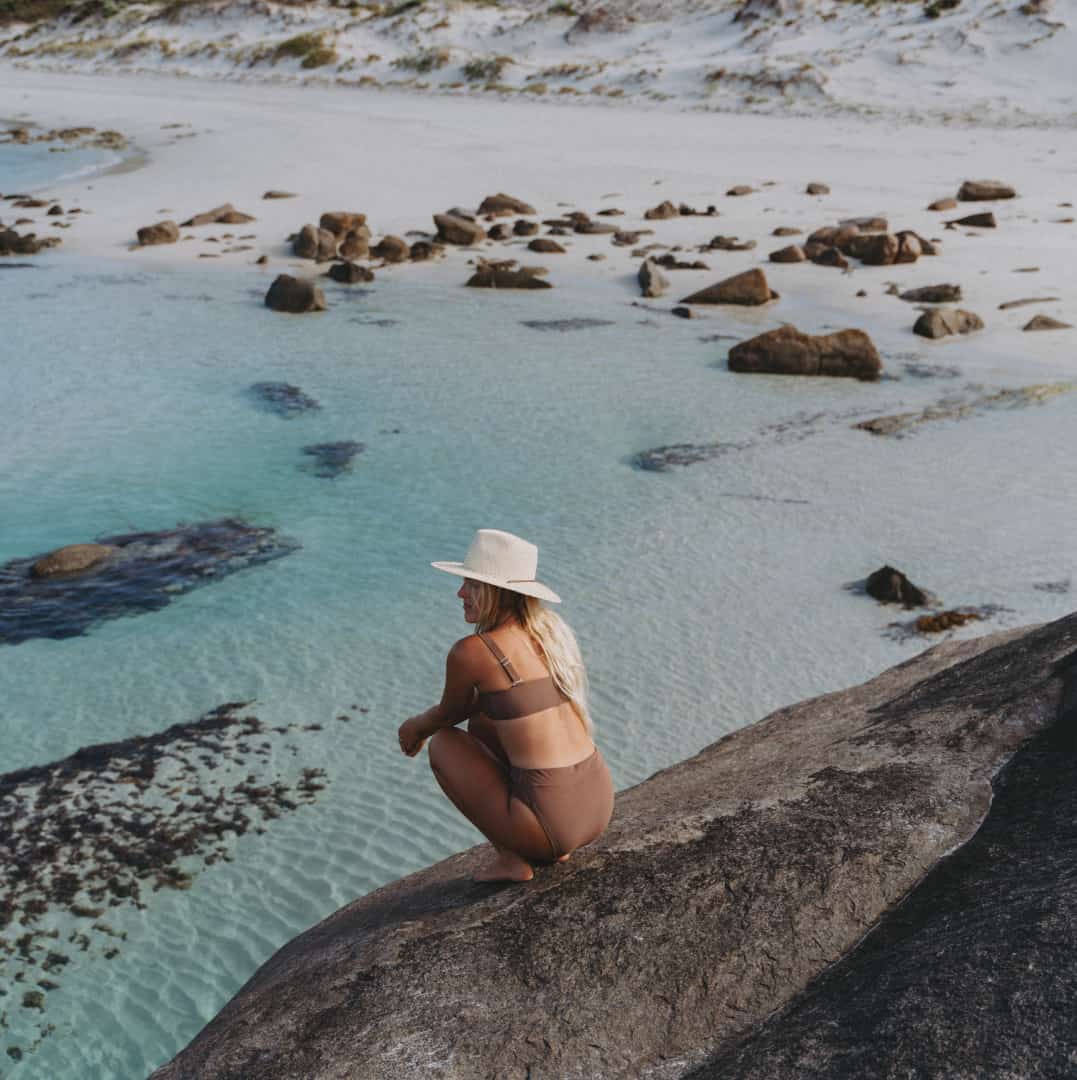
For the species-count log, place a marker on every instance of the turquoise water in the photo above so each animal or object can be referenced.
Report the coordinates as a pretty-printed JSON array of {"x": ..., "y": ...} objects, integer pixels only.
[
  {"x": 26, "y": 168},
  {"x": 703, "y": 598}
]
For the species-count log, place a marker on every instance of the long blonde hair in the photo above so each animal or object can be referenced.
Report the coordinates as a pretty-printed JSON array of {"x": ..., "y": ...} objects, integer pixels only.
[{"x": 555, "y": 640}]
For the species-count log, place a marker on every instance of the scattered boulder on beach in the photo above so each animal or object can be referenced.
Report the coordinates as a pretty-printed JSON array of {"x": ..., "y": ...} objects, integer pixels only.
[
  {"x": 501, "y": 231},
  {"x": 794, "y": 253},
  {"x": 788, "y": 351},
  {"x": 312, "y": 242},
  {"x": 164, "y": 232},
  {"x": 599, "y": 20},
  {"x": 945, "y": 620},
  {"x": 909, "y": 247},
  {"x": 72, "y": 559},
  {"x": 932, "y": 294},
  {"x": 545, "y": 245},
  {"x": 652, "y": 282},
  {"x": 816, "y": 188},
  {"x": 595, "y": 228},
  {"x": 342, "y": 222},
  {"x": 225, "y": 214},
  {"x": 787, "y": 230},
  {"x": 273, "y": 194},
  {"x": 284, "y": 399},
  {"x": 294, "y": 295},
  {"x": 502, "y": 205},
  {"x": 875, "y": 249},
  {"x": 391, "y": 249},
  {"x": 453, "y": 229},
  {"x": 985, "y": 220},
  {"x": 749, "y": 288},
  {"x": 1045, "y": 322},
  {"x": 349, "y": 273},
  {"x": 943, "y": 204},
  {"x": 822, "y": 255},
  {"x": 740, "y": 189},
  {"x": 13, "y": 243},
  {"x": 523, "y": 227},
  {"x": 728, "y": 243},
  {"x": 662, "y": 212},
  {"x": 498, "y": 277},
  {"x": 141, "y": 572},
  {"x": 872, "y": 223},
  {"x": 890, "y": 586},
  {"x": 355, "y": 244},
  {"x": 690, "y": 211},
  {"x": 984, "y": 191},
  {"x": 669, "y": 261},
  {"x": 334, "y": 458},
  {"x": 1007, "y": 305},
  {"x": 941, "y": 322},
  {"x": 422, "y": 250}
]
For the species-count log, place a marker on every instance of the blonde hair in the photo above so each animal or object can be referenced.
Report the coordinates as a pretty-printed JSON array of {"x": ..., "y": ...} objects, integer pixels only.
[{"x": 555, "y": 640}]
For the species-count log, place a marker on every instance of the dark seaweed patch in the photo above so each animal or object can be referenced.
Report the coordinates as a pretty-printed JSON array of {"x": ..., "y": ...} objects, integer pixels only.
[
  {"x": 332, "y": 459},
  {"x": 563, "y": 325},
  {"x": 284, "y": 399}
]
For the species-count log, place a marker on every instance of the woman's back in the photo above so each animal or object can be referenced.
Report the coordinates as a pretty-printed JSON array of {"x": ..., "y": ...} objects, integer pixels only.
[{"x": 537, "y": 725}]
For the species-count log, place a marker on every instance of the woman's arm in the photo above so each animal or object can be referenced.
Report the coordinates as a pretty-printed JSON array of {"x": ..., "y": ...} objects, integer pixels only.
[{"x": 457, "y": 699}]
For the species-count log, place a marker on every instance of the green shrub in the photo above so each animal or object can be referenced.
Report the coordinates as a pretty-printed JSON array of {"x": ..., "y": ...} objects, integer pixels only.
[
  {"x": 486, "y": 69},
  {"x": 310, "y": 48},
  {"x": 422, "y": 62},
  {"x": 937, "y": 7},
  {"x": 562, "y": 9}
]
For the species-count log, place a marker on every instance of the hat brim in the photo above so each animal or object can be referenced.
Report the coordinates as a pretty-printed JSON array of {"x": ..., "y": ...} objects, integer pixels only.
[{"x": 528, "y": 588}]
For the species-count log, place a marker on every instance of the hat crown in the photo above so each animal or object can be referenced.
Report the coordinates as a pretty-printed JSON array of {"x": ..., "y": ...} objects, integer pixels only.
[{"x": 502, "y": 555}]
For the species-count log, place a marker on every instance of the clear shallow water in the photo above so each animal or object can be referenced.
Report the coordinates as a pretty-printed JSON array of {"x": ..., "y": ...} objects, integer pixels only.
[
  {"x": 25, "y": 168},
  {"x": 704, "y": 598}
]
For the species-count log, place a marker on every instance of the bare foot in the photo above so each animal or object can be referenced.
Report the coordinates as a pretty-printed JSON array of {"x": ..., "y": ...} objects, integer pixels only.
[
  {"x": 564, "y": 858},
  {"x": 507, "y": 866}
]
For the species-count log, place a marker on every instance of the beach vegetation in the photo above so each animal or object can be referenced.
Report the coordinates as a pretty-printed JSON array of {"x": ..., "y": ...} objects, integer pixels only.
[
  {"x": 937, "y": 7},
  {"x": 486, "y": 68},
  {"x": 536, "y": 88},
  {"x": 424, "y": 61},
  {"x": 393, "y": 10},
  {"x": 310, "y": 48},
  {"x": 563, "y": 9}
]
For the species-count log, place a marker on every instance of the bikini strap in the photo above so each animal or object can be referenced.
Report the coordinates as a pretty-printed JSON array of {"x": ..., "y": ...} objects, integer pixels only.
[{"x": 502, "y": 659}]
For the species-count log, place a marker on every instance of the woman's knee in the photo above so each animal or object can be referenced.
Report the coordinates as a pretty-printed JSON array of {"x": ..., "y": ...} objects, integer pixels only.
[{"x": 440, "y": 748}]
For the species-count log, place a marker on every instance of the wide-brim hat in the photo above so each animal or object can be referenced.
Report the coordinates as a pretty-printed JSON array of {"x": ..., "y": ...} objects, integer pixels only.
[{"x": 501, "y": 559}]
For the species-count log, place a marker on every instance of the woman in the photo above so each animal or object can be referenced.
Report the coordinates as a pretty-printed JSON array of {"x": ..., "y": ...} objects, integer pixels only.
[{"x": 526, "y": 772}]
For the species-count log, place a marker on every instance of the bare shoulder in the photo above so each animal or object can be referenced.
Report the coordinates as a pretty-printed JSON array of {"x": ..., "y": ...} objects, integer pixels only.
[{"x": 467, "y": 654}]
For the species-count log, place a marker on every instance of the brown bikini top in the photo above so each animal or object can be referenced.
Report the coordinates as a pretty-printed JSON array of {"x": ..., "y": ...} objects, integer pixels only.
[{"x": 520, "y": 699}]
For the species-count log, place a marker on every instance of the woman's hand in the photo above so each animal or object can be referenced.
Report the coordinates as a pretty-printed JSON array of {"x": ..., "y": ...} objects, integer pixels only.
[{"x": 411, "y": 736}]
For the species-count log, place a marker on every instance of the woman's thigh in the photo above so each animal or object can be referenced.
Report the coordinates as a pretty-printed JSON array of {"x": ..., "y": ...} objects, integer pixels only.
[{"x": 478, "y": 785}]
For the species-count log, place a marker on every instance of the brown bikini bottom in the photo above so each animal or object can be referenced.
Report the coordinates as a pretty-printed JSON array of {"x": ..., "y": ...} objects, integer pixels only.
[{"x": 573, "y": 803}]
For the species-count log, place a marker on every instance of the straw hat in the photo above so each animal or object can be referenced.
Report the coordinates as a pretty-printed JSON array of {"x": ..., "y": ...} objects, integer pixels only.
[{"x": 502, "y": 559}]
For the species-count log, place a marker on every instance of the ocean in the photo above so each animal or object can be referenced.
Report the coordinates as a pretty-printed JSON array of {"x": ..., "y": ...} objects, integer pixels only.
[{"x": 704, "y": 596}]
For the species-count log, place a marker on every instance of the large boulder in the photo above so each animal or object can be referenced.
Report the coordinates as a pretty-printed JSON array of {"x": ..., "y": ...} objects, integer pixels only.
[
  {"x": 294, "y": 295},
  {"x": 875, "y": 249},
  {"x": 787, "y": 351},
  {"x": 941, "y": 322},
  {"x": 73, "y": 559},
  {"x": 454, "y": 229},
  {"x": 355, "y": 245},
  {"x": 164, "y": 232},
  {"x": 725, "y": 886},
  {"x": 748, "y": 288},
  {"x": 984, "y": 191},
  {"x": 502, "y": 205}
]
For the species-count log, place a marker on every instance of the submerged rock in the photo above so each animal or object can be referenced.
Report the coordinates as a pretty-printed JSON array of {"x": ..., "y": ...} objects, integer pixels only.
[
  {"x": 284, "y": 399},
  {"x": 333, "y": 458},
  {"x": 723, "y": 887},
  {"x": 141, "y": 572}
]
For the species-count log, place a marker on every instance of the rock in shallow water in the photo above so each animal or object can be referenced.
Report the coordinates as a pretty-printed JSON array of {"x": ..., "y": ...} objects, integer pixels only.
[
  {"x": 788, "y": 351},
  {"x": 143, "y": 572},
  {"x": 284, "y": 399},
  {"x": 334, "y": 458}
]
